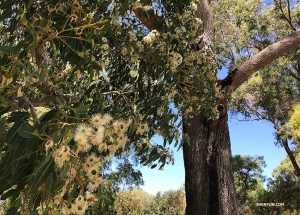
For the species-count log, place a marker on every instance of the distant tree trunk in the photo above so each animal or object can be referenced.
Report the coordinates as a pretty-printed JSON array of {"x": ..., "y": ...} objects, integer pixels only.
[{"x": 208, "y": 168}]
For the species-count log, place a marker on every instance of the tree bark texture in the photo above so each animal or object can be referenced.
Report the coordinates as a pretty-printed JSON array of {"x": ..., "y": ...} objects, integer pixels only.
[{"x": 209, "y": 178}]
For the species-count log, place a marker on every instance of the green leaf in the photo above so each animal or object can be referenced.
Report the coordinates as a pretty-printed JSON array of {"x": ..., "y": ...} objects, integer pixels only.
[
  {"x": 20, "y": 175},
  {"x": 10, "y": 193},
  {"x": 82, "y": 110},
  {"x": 16, "y": 163},
  {"x": 42, "y": 76},
  {"x": 18, "y": 116},
  {"x": 153, "y": 166},
  {"x": 4, "y": 110},
  {"x": 52, "y": 114},
  {"x": 49, "y": 187},
  {"x": 43, "y": 162},
  {"x": 42, "y": 175},
  {"x": 4, "y": 186},
  {"x": 33, "y": 213},
  {"x": 59, "y": 101},
  {"x": 80, "y": 54},
  {"x": 28, "y": 131},
  {"x": 64, "y": 170}
]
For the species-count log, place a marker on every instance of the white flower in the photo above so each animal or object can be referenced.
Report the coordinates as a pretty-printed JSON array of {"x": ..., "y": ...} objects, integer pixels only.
[
  {"x": 142, "y": 128},
  {"x": 94, "y": 184},
  {"x": 102, "y": 147},
  {"x": 83, "y": 130},
  {"x": 105, "y": 47},
  {"x": 106, "y": 119},
  {"x": 104, "y": 39},
  {"x": 122, "y": 140},
  {"x": 96, "y": 120},
  {"x": 147, "y": 39},
  {"x": 49, "y": 144},
  {"x": 112, "y": 148},
  {"x": 98, "y": 138}
]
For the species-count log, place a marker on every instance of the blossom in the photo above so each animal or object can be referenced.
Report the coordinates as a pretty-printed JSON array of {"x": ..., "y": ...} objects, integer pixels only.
[
  {"x": 122, "y": 141},
  {"x": 147, "y": 39},
  {"x": 93, "y": 172},
  {"x": 112, "y": 148},
  {"x": 104, "y": 39},
  {"x": 94, "y": 184},
  {"x": 105, "y": 47},
  {"x": 142, "y": 128},
  {"x": 102, "y": 147},
  {"x": 96, "y": 120},
  {"x": 106, "y": 119},
  {"x": 61, "y": 155},
  {"x": 175, "y": 60},
  {"x": 120, "y": 127},
  {"x": 83, "y": 130},
  {"x": 82, "y": 144},
  {"x": 90, "y": 198},
  {"x": 80, "y": 206},
  {"x": 49, "y": 144},
  {"x": 99, "y": 135}
]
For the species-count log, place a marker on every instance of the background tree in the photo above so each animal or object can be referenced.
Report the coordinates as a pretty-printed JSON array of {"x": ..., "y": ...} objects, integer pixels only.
[
  {"x": 247, "y": 173},
  {"x": 130, "y": 63}
]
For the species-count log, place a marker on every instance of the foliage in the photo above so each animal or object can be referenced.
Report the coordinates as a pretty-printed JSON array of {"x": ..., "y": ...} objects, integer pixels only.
[
  {"x": 295, "y": 122},
  {"x": 138, "y": 202},
  {"x": 282, "y": 188},
  {"x": 111, "y": 85},
  {"x": 247, "y": 172}
]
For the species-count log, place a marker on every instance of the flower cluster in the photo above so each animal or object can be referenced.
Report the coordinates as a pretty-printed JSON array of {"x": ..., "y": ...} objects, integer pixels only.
[
  {"x": 61, "y": 155},
  {"x": 152, "y": 37},
  {"x": 175, "y": 59},
  {"x": 80, "y": 205}
]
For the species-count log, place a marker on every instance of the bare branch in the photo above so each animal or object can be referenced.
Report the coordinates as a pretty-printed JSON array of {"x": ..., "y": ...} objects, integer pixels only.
[
  {"x": 148, "y": 16},
  {"x": 289, "y": 18},
  {"x": 264, "y": 58},
  {"x": 292, "y": 74}
]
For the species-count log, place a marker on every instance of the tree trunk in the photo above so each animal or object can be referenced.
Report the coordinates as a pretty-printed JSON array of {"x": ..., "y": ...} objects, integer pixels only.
[{"x": 208, "y": 168}]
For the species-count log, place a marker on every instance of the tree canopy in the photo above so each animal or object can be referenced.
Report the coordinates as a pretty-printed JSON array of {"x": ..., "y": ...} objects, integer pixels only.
[{"x": 113, "y": 74}]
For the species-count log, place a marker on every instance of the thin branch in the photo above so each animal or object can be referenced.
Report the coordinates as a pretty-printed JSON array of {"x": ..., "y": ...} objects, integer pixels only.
[
  {"x": 32, "y": 111},
  {"x": 288, "y": 19},
  {"x": 117, "y": 92},
  {"x": 292, "y": 74},
  {"x": 264, "y": 58}
]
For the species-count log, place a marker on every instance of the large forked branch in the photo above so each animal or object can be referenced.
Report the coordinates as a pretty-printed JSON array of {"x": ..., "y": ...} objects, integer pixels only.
[
  {"x": 264, "y": 58},
  {"x": 148, "y": 16}
]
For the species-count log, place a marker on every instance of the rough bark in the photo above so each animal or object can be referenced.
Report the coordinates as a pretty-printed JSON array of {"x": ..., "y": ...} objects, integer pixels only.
[{"x": 208, "y": 168}]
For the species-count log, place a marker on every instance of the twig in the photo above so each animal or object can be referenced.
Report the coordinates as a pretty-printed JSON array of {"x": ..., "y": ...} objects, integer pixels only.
[
  {"x": 117, "y": 92},
  {"x": 33, "y": 112}
]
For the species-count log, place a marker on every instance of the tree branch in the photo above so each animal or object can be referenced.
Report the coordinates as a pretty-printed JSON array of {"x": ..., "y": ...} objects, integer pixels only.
[
  {"x": 292, "y": 157},
  {"x": 32, "y": 111},
  {"x": 149, "y": 17},
  {"x": 204, "y": 12},
  {"x": 264, "y": 58},
  {"x": 293, "y": 74}
]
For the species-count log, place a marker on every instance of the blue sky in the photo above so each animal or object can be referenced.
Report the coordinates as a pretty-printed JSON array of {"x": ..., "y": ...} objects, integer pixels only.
[{"x": 247, "y": 138}]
